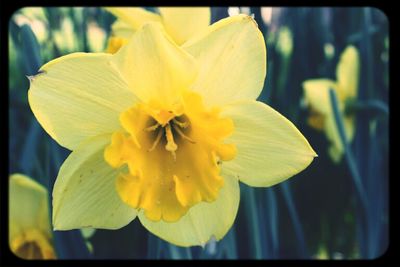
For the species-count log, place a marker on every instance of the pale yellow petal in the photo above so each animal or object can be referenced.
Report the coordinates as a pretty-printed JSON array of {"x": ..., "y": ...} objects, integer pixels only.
[
  {"x": 270, "y": 149},
  {"x": 202, "y": 221},
  {"x": 232, "y": 60},
  {"x": 181, "y": 23},
  {"x": 79, "y": 96},
  {"x": 84, "y": 194},
  {"x": 347, "y": 73},
  {"x": 155, "y": 68},
  {"x": 121, "y": 29},
  {"x": 316, "y": 93},
  {"x": 135, "y": 17},
  {"x": 28, "y": 207}
]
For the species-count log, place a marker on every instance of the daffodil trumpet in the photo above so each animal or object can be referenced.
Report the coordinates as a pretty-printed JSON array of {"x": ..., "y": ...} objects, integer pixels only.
[{"x": 165, "y": 132}]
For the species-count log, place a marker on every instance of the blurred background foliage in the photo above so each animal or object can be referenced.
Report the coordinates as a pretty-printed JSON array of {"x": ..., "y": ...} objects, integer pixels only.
[{"x": 317, "y": 214}]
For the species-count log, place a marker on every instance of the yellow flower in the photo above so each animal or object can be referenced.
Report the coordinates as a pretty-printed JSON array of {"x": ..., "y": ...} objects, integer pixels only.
[
  {"x": 165, "y": 132},
  {"x": 30, "y": 235},
  {"x": 317, "y": 97},
  {"x": 181, "y": 23}
]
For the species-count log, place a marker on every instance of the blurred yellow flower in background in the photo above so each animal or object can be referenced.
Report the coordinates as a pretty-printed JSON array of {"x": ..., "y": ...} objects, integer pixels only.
[
  {"x": 316, "y": 92},
  {"x": 30, "y": 234},
  {"x": 181, "y": 23},
  {"x": 165, "y": 132}
]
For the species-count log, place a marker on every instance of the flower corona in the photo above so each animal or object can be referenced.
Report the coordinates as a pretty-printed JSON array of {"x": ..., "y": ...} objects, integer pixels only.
[{"x": 173, "y": 156}]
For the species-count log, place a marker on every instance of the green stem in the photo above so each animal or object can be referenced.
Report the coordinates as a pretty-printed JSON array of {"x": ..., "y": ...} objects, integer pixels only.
[
  {"x": 252, "y": 215},
  {"x": 348, "y": 153}
]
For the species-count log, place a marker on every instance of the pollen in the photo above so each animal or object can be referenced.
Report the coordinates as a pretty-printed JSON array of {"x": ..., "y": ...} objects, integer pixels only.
[{"x": 172, "y": 155}]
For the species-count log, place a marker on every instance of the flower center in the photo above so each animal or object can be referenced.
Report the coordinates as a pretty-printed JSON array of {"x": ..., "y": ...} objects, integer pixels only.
[
  {"x": 173, "y": 156},
  {"x": 175, "y": 127}
]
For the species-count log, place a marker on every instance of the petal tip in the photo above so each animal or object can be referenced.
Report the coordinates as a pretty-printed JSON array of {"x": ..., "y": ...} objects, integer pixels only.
[
  {"x": 31, "y": 78},
  {"x": 246, "y": 18},
  {"x": 251, "y": 18}
]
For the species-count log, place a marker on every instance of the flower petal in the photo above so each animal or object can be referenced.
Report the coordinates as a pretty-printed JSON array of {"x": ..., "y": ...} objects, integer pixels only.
[
  {"x": 84, "y": 194},
  {"x": 28, "y": 206},
  {"x": 316, "y": 93},
  {"x": 122, "y": 29},
  {"x": 78, "y": 96},
  {"x": 135, "y": 17},
  {"x": 121, "y": 33},
  {"x": 232, "y": 60},
  {"x": 347, "y": 73},
  {"x": 202, "y": 221},
  {"x": 155, "y": 68},
  {"x": 184, "y": 22},
  {"x": 270, "y": 148}
]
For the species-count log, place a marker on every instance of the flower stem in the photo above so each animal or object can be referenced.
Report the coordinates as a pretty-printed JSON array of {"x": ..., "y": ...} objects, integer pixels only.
[{"x": 348, "y": 153}]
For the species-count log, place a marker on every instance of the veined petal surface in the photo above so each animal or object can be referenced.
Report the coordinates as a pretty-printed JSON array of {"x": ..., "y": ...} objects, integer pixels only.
[
  {"x": 232, "y": 60},
  {"x": 155, "y": 68},
  {"x": 84, "y": 194},
  {"x": 270, "y": 148},
  {"x": 79, "y": 96}
]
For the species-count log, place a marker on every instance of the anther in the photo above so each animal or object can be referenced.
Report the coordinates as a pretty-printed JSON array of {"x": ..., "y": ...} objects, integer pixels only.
[
  {"x": 181, "y": 124},
  {"x": 153, "y": 127},
  {"x": 182, "y": 134},
  {"x": 158, "y": 138}
]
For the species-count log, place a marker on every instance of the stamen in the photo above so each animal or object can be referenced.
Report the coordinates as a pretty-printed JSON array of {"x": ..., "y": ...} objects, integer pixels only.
[
  {"x": 153, "y": 127},
  {"x": 170, "y": 146},
  {"x": 182, "y": 134},
  {"x": 181, "y": 124},
  {"x": 158, "y": 138}
]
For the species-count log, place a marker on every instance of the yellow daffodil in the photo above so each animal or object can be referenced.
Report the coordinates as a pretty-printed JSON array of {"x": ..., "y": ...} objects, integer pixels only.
[
  {"x": 317, "y": 97},
  {"x": 30, "y": 235},
  {"x": 165, "y": 132},
  {"x": 180, "y": 23}
]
